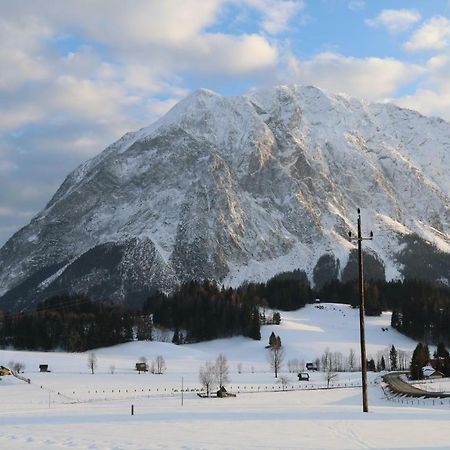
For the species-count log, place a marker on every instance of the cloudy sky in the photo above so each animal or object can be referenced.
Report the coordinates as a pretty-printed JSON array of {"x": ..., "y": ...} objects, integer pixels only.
[{"x": 77, "y": 74}]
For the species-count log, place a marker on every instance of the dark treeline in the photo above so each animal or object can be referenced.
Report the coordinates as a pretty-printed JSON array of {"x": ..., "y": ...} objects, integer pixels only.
[
  {"x": 286, "y": 291},
  {"x": 423, "y": 312},
  {"x": 202, "y": 312},
  {"x": 73, "y": 323}
]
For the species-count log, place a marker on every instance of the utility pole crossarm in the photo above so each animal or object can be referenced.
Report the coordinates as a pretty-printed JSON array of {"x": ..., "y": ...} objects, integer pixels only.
[{"x": 359, "y": 239}]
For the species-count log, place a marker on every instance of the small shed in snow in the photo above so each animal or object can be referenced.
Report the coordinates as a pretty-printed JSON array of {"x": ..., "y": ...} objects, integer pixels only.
[
  {"x": 141, "y": 367},
  {"x": 430, "y": 372}
]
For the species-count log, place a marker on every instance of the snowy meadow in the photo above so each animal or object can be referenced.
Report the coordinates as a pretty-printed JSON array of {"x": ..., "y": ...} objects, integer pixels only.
[{"x": 69, "y": 407}]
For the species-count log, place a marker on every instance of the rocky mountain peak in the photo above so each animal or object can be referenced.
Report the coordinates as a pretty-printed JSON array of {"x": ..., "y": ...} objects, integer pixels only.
[{"x": 241, "y": 188}]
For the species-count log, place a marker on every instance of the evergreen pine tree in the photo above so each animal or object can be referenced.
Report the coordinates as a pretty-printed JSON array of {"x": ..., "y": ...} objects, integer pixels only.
[
  {"x": 272, "y": 339},
  {"x": 393, "y": 358},
  {"x": 276, "y": 318},
  {"x": 255, "y": 326},
  {"x": 419, "y": 359},
  {"x": 176, "y": 337}
]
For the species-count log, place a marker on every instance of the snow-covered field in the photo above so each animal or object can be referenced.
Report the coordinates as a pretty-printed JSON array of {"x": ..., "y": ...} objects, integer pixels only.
[
  {"x": 71, "y": 408},
  {"x": 436, "y": 385}
]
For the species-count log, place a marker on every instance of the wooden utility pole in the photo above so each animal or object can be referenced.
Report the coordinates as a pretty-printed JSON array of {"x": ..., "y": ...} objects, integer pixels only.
[{"x": 362, "y": 334}]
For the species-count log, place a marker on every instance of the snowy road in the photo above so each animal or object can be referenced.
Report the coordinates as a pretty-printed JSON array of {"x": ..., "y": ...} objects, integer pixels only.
[{"x": 398, "y": 386}]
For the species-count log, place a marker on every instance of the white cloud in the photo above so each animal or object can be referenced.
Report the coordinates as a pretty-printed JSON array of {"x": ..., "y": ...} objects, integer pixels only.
[
  {"x": 168, "y": 35},
  {"x": 95, "y": 99},
  {"x": 21, "y": 51},
  {"x": 432, "y": 96},
  {"x": 433, "y": 35},
  {"x": 122, "y": 24},
  {"x": 157, "y": 108},
  {"x": 369, "y": 78},
  {"x": 395, "y": 20},
  {"x": 148, "y": 45},
  {"x": 276, "y": 13},
  {"x": 143, "y": 77},
  {"x": 18, "y": 115},
  {"x": 232, "y": 55},
  {"x": 427, "y": 102}
]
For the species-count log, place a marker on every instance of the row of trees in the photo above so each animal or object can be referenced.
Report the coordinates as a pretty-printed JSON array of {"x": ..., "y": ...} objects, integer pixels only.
[
  {"x": 72, "y": 323},
  {"x": 214, "y": 374},
  {"x": 388, "y": 359},
  {"x": 286, "y": 291},
  {"x": 200, "y": 311}
]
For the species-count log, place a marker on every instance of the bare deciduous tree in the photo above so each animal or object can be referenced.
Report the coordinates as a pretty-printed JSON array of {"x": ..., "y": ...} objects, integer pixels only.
[
  {"x": 326, "y": 360},
  {"x": 207, "y": 376},
  {"x": 222, "y": 370},
  {"x": 276, "y": 358},
  {"x": 337, "y": 362},
  {"x": 330, "y": 375},
  {"x": 239, "y": 367},
  {"x": 351, "y": 360},
  {"x": 295, "y": 365},
  {"x": 403, "y": 359},
  {"x": 112, "y": 369},
  {"x": 17, "y": 366},
  {"x": 92, "y": 361},
  {"x": 284, "y": 381},
  {"x": 159, "y": 365}
]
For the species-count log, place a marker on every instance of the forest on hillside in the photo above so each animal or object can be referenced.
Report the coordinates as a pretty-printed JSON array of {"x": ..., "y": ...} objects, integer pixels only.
[{"x": 203, "y": 310}]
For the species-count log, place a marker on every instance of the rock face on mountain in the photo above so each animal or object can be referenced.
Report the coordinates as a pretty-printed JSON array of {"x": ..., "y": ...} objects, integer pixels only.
[{"x": 241, "y": 188}]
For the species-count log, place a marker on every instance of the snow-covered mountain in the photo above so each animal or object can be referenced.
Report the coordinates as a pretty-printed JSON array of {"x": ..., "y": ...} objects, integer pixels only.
[{"x": 241, "y": 188}]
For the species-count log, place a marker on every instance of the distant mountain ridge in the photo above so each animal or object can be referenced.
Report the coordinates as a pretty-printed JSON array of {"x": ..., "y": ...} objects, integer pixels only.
[{"x": 241, "y": 188}]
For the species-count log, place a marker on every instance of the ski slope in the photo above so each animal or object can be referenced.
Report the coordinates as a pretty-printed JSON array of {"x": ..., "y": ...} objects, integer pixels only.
[{"x": 71, "y": 408}]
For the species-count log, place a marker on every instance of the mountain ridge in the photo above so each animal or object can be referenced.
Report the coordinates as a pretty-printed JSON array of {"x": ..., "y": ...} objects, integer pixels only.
[{"x": 237, "y": 189}]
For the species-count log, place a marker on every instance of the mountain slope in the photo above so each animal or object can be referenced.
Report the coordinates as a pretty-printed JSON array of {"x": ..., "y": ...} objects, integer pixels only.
[{"x": 240, "y": 188}]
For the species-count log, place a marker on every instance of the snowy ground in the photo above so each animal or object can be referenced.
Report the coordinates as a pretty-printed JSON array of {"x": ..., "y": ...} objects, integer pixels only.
[
  {"x": 436, "y": 385},
  {"x": 71, "y": 408}
]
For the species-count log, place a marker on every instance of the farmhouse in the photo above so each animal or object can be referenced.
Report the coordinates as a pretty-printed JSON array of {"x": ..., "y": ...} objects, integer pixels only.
[{"x": 430, "y": 372}]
